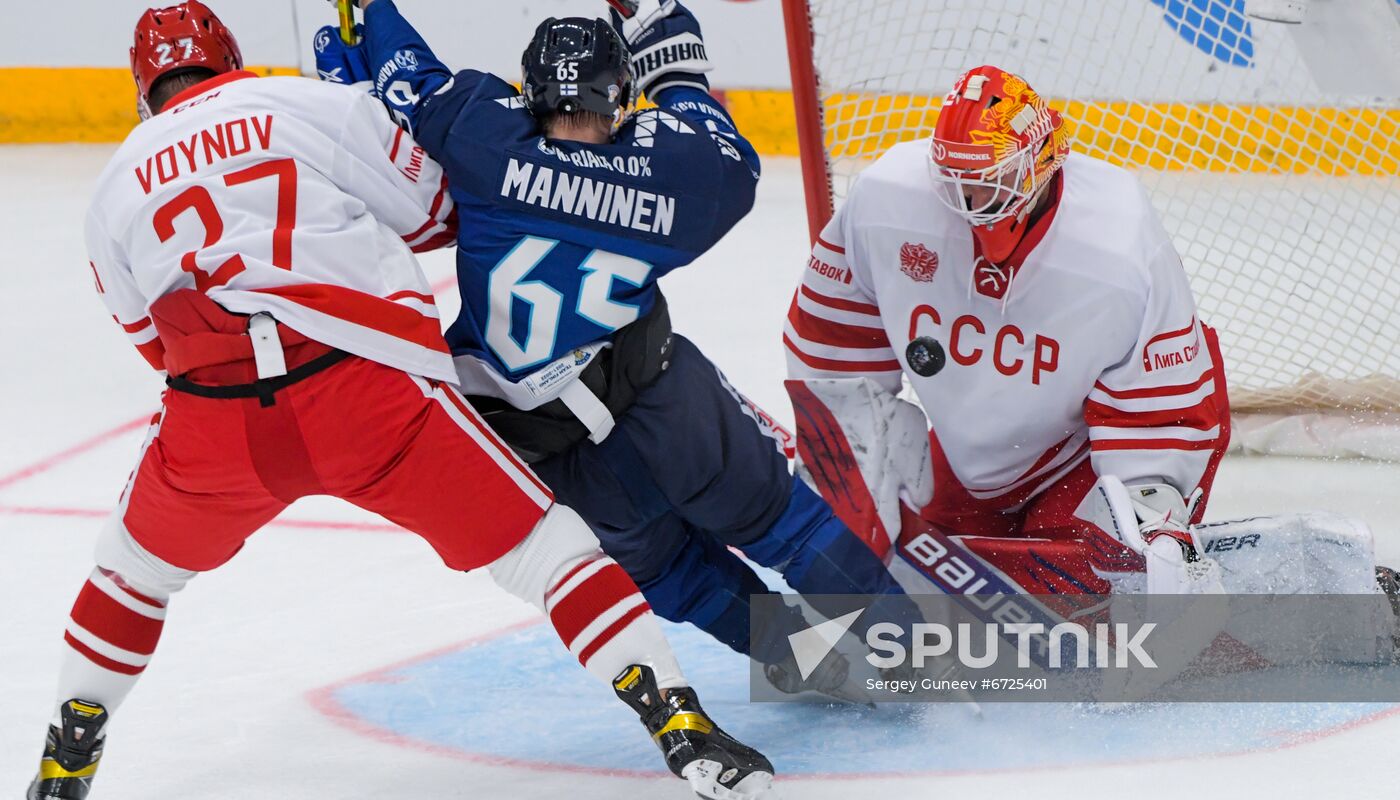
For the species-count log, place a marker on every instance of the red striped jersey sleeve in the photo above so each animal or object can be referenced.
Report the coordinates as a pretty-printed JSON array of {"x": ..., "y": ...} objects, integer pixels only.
[
  {"x": 1163, "y": 412},
  {"x": 405, "y": 189},
  {"x": 833, "y": 327},
  {"x": 124, "y": 301}
]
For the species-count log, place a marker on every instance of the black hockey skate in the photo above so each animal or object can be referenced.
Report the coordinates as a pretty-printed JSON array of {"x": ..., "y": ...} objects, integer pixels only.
[
  {"x": 71, "y": 754},
  {"x": 717, "y": 765}
]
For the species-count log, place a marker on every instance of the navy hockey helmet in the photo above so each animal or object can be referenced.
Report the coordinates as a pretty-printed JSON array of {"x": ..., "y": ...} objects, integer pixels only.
[{"x": 576, "y": 64}]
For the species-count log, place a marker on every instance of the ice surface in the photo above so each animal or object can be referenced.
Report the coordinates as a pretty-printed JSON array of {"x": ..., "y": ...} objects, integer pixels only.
[{"x": 327, "y": 660}]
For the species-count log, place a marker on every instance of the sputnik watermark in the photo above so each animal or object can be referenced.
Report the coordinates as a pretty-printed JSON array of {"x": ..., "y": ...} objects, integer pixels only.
[
  {"x": 1077, "y": 648},
  {"x": 946, "y": 686},
  {"x": 934, "y": 640}
]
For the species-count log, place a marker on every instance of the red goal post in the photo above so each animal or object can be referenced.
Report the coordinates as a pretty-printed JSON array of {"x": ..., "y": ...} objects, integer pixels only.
[{"x": 816, "y": 175}]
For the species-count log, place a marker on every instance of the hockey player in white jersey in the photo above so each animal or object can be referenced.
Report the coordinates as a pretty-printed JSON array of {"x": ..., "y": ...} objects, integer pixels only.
[
  {"x": 1074, "y": 405},
  {"x": 253, "y": 236}
]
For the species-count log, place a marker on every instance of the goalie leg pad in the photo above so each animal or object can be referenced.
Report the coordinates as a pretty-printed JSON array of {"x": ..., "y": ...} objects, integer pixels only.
[
  {"x": 1315, "y": 553},
  {"x": 1312, "y": 553},
  {"x": 864, "y": 450}
]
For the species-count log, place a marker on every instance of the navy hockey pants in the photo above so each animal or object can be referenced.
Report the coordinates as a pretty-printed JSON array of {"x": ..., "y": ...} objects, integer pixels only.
[{"x": 685, "y": 475}]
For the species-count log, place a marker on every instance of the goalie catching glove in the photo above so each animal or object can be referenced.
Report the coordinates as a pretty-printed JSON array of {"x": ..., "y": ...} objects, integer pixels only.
[
  {"x": 667, "y": 47},
  {"x": 1154, "y": 520}
]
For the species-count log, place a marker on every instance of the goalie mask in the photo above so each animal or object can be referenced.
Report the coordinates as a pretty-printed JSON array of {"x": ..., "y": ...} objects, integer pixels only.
[
  {"x": 178, "y": 39},
  {"x": 995, "y": 149}
]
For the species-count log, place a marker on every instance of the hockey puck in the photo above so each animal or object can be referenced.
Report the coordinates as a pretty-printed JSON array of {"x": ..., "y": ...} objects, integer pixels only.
[{"x": 925, "y": 356}]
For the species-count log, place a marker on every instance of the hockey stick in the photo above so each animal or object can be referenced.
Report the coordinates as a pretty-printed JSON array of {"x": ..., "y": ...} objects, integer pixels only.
[
  {"x": 347, "y": 21},
  {"x": 627, "y": 8}
]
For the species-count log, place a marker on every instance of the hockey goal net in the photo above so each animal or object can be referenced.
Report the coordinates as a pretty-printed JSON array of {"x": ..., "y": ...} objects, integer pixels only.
[{"x": 1283, "y": 198}]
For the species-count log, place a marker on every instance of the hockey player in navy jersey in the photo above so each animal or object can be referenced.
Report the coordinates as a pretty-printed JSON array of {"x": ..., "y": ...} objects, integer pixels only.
[{"x": 567, "y": 220}]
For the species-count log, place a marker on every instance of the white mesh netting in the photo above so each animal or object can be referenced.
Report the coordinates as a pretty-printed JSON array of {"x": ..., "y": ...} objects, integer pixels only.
[{"x": 1284, "y": 201}]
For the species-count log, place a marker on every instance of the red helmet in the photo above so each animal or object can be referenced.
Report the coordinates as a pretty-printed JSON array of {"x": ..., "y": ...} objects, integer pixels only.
[
  {"x": 179, "y": 38},
  {"x": 995, "y": 148}
]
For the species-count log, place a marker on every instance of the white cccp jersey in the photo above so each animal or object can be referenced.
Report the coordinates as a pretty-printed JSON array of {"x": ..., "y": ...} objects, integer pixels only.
[
  {"x": 1090, "y": 347},
  {"x": 284, "y": 195}
]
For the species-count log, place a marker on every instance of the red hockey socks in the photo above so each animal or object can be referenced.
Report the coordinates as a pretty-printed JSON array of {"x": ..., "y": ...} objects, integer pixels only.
[
  {"x": 596, "y": 609},
  {"x": 111, "y": 635}
]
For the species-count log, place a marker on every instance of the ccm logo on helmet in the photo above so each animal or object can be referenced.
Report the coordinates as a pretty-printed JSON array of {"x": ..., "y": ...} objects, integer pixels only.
[{"x": 1010, "y": 350}]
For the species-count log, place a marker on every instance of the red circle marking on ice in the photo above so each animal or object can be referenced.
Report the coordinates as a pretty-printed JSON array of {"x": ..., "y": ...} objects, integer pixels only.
[{"x": 325, "y": 702}]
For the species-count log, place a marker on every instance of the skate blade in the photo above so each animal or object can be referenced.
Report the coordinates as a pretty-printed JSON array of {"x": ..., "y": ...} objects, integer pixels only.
[
  {"x": 704, "y": 774},
  {"x": 838, "y": 696},
  {"x": 846, "y": 697}
]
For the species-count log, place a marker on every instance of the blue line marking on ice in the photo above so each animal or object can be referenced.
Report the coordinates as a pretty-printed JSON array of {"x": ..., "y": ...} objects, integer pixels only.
[
  {"x": 1218, "y": 28},
  {"x": 522, "y": 697}
]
